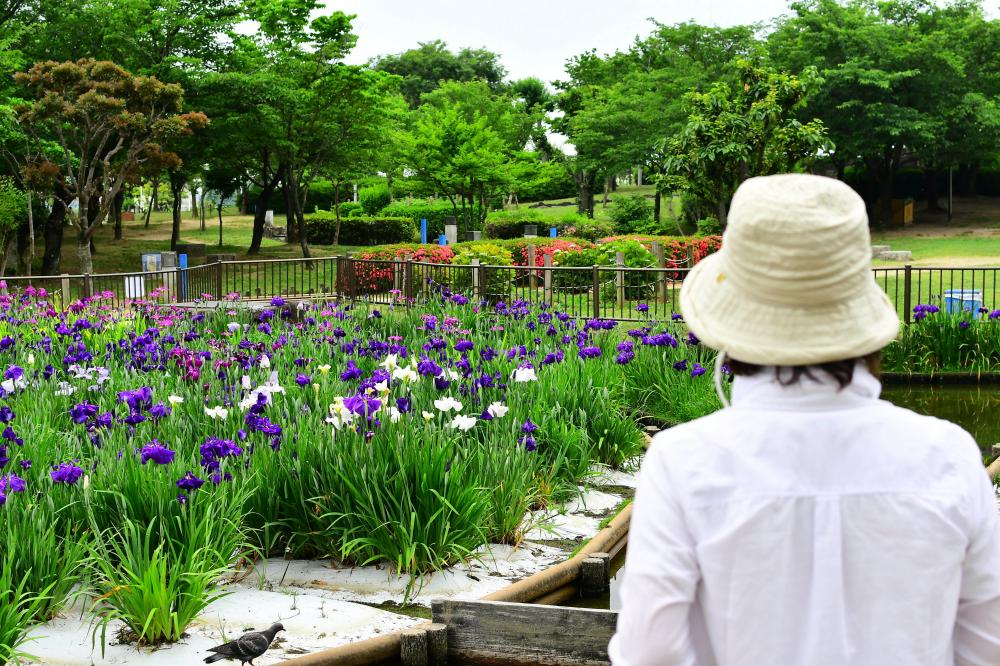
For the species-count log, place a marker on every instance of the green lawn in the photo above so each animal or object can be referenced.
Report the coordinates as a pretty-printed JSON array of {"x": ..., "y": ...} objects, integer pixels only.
[{"x": 985, "y": 246}]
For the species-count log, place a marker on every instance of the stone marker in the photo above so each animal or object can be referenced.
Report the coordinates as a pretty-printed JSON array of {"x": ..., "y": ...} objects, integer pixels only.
[
  {"x": 450, "y": 230},
  {"x": 879, "y": 249},
  {"x": 896, "y": 255}
]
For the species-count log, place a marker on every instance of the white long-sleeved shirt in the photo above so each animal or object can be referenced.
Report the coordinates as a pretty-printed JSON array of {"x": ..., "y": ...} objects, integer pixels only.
[{"x": 806, "y": 526}]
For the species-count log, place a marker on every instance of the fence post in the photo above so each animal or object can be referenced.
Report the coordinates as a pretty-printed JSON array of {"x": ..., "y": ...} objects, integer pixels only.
[
  {"x": 690, "y": 256},
  {"x": 547, "y": 279},
  {"x": 597, "y": 293},
  {"x": 532, "y": 277},
  {"x": 620, "y": 279},
  {"x": 476, "y": 286},
  {"x": 408, "y": 276},
  {"x": 218, "y": 280},
  {"x": 88, "y": 286},
  {"x": 67, "y": 296},
  {"x": 661, "y": 263},
  {"x": 907, "y": 285}
]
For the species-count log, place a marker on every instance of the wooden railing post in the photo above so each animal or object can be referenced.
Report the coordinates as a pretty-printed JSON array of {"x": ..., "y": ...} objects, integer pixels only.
[
  {"x": 597, "y": 293},
  {"x": 218, "y": 281},
  {"x": 532, "y": 277},
  {"x": 661, "y": 278},
  {"x": 547, "y": 279},
  {"x": 408, "y": 277},
  {"x": 620, "y": 278},
  {"x": 477, "y": 288},
  {"x": 907, "y": 293}
]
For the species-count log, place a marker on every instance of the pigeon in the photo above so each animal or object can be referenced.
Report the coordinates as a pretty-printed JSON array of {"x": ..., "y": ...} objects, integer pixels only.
[{"x": 247, "y": 647}]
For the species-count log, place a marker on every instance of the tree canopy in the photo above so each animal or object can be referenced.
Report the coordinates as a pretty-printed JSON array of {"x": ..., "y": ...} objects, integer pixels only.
[{"x": 860, "y": 89}]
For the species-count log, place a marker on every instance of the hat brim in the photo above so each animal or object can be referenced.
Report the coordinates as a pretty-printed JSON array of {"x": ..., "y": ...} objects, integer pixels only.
[{"x": 761, "y": 331}]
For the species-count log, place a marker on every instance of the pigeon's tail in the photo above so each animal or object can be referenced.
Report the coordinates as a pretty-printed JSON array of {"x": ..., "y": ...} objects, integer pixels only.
[{"x": 214, "y": 658}]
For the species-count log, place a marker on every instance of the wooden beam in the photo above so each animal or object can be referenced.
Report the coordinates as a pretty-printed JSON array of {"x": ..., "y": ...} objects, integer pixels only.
[{"x": 497, "y": 632}]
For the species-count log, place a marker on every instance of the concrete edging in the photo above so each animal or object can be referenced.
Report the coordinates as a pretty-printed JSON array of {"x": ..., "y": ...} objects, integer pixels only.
[{"x": 551, "y": 582}]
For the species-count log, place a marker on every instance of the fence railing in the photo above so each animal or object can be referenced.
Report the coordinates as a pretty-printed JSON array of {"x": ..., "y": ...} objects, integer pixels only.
[{"x": 614, "y": 291}]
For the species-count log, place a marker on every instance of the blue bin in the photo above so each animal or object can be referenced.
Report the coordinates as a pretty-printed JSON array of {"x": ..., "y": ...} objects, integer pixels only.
[{"x": 963, "y": 300}]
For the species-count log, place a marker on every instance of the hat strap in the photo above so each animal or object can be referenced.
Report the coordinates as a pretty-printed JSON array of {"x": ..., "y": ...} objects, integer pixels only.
[{"x": 720, "y": 359}]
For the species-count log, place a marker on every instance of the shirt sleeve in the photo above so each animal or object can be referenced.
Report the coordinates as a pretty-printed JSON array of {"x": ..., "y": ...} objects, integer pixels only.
[
  {"x": 977, "y": 626},
  {"x": 660, "y": 575}
]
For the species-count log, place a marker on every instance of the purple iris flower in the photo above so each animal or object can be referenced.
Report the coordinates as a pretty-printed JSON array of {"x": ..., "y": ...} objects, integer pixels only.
[
  {"x": 190, "y": 482},
  {"x": 158, "y": 453},
  {"x": 11, "y": 436},
  {"x": 82, "y": 412},
  {"x": 302, "y": 380},
  {"x": 681, "y": 365},
  {"x": 66, "y": 473},
  {"x": 697, "y": 370},
  {"x": 352, "y": 372},
  {"x": 159, "y": 411},
  {"x": 589, "y": 352},
  {"x": 464, "y": 345},
  {"x": 12, "y": 483}
]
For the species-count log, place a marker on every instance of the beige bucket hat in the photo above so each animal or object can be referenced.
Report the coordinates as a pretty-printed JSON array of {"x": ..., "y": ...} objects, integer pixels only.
[{"x": 793, "y": 283}]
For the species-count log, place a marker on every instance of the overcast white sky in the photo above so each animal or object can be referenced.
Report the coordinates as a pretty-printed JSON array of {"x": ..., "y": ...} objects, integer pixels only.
[{"x": 533, "y": 37}]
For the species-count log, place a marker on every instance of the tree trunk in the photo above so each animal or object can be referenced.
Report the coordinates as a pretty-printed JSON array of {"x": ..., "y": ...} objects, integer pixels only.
[
  {"x": 298, "y": 198},
  {"x": 177, "y": 180},
  {"x": 244, "y": 201},
  {"x": 291, "y": 224},
  {"x": 153, "y": 197},
  {"x": 931, "y": 188},
  {"x": 656, "y": 206},
  {"x": 194, "y": 201},
  {"x": 967, "y": 174},
  {"x": 607, "y": 188},
  {"x": 722, "y": 209},
  {"x": 885, "y": 199},
  {"x": 116, "y": 212},
  {"x": 220, "y": 221},
  {"x": 260, "y": 211},
  {"x": 53, "y": 233},
  {"x": 202, "y": 207},
  {"x": 83, "y": 252},
  {"x": 585, "y": 180},
  {"x": 336, "y": 212}
]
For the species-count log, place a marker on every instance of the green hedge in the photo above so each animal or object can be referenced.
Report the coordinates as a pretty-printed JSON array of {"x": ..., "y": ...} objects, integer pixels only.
[
  {"x": 434, "y": 212},
  {"x": 505, "y": 225},
  {"x": 321, "y": 228}
]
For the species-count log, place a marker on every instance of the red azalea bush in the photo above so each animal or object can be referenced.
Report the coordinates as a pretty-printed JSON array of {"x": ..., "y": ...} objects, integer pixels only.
[
  {"x": 675, "y": 248},
  {"x": 374, "y": 278}
]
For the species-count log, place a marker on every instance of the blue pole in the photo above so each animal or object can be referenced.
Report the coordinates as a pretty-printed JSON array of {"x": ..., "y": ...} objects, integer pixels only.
[
  {"x": 552, "y": 232},
  {"x": 442, "y": 239},
  {"x": 182, "y": 261},
  {"x": 423, "y": 230}
]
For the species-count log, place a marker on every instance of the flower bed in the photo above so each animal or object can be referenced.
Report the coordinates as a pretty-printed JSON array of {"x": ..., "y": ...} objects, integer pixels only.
[{"x": 146, "y": 451}]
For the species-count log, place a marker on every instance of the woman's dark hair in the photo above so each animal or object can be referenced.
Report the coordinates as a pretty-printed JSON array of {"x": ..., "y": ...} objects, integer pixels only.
[{"x": 789, "y": 375}]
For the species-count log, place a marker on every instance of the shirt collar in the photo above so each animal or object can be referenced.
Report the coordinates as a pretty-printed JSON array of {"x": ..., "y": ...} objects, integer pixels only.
[{"x": 764, "y": 390}]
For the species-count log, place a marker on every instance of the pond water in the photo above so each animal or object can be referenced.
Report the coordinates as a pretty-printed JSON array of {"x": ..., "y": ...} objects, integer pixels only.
[{"x": 975, "y": 408}]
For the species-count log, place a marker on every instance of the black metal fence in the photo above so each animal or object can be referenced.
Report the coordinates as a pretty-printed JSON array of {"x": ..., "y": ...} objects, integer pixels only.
[{"x": 615, "y": 291}]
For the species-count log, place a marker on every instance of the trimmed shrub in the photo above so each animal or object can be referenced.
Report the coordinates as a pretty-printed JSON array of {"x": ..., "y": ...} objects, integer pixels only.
[
  {"x": 373, "y": 199},
  {"x": 631, "y": 212},
  {"x": 321, "y": 228},
  {"x": 348, "y": 209},
  {"x": 490, "y": 254},
  {"x": 434, "y": 212},
  {"x": 580, "y": 226},
  {"x": 509, "y": 224}
]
